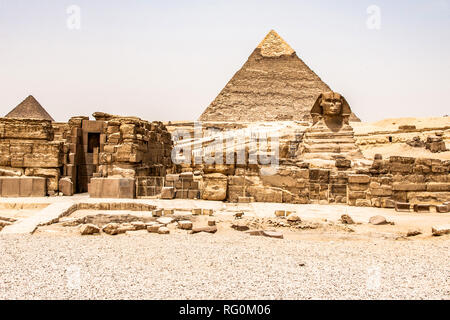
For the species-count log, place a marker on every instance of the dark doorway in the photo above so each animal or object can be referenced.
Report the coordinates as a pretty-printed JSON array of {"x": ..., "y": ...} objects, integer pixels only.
[{"x": 93, "y": 141}]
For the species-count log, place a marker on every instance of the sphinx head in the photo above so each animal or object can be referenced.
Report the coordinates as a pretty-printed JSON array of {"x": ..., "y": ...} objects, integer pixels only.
[{"x": 331, "y": 105}]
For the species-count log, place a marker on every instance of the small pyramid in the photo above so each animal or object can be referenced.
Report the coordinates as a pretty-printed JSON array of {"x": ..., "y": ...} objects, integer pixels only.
[
  {"x": 273, "y": 85},
  {"x": 29, "y": 108}
]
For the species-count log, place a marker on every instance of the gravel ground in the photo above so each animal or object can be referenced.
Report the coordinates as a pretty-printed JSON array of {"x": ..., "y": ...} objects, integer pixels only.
[{"x": 203, "y": 266}]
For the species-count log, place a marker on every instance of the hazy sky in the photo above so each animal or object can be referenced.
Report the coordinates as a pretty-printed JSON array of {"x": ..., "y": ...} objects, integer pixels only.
[{"x": 167, "y": 60}]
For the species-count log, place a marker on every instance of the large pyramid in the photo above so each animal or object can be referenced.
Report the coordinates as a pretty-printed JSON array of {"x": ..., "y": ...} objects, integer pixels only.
[
  {"x": 29, "y": 108},
  {"x": 274, "y": 84}
]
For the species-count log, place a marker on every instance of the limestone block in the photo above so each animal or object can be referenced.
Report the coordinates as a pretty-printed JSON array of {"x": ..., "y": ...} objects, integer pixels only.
[
  {"x": 112, "y": 188},
  {"x": 209, "y": 229},
  {"x": 5, "y": 157},
  {"x": 11, "y": 172},
  {"x": 279, "y": 181},
  {"x": 66, "y": 186},
  {"x": 319, "y": 175},
  {"x": 112, "y": 228},
  {"x": 428, "y": 197},
  {"x": 163, "y": 230},
  {"x": 52, "y": 176},
  {"x": 401, "y": 168},
  {"x": 167, "y": 193},
  {"x": 123, "y": 172},
  {"x": 193, "y": 194},
  {"x": 128, "y": 130},
  {"x": 363, "y": 203},
  {"x": 265, "y": 194},
  {"x": 186, "y": 176},
  {"x": 358, "y": 186},
  {"x": 138, "y": 225},
  {"x": 31, "y": 129},
  {"x": 381, "y": 192},
  {"x": 301, "y": 173},
  {"x": 10, "y": 186},
  {"x": 343, "y": 163},
  {"x": 443, "y": 208},
  {"x": 403, "y": 160},
  {"x": 234, "y": 192},
  {"x": 226, "y": 169},
  {"x": 272, "y": 234},
  {"x": 358, "y": 178},
  {"x": 357, "y": 195},
  {"x": 399, "y": 186},
  {"x": 214, "y": 187},
  {"x": 377, "y": 220},
  {"x": 346, "y": 219},
  {"x": 88, "y": 229},
  {"x": 438, "y": 187},
  {"x": 440, "y": 230},
  {"x": 185, "y": 225},
  {"x": 387, "y": 203},
  {"x": 421, "y": 207},
  {"x": 172, "y": 177}
]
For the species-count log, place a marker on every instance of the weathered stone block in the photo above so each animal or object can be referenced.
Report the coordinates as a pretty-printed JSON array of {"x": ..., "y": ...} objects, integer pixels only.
[
  {"x": 381, "y": 192},
  {"x": 421, "y": 207},
  {"x": 112, "y": 188},
  {"x": 39, "y": 187},
  {"x": 26, "y": 187},
  {"x": 343, "y": 163},
  {"x": 438, "y": 187},
  {"x": 363, "y": 203},
  {"x": 357, "y": 195},
  {"x": 215, "y": 187},
  {"x": 440, "y": 230},
  {"x": 26, "y": 129},
  {"x": 398, "y": 186},
  {"x": 387, "y": 203},
  {"x": 66, "y": 186},
  {"x": 279, "y": 181},
  {"x": 358, "y": 186},
  {"x": 10, "y": 186},
  {"x": 399, "y": 159},
  {"x": 265, "y": 194},
  {"x": 167, "y": 193},
  {"x": 358, "y": 178}
]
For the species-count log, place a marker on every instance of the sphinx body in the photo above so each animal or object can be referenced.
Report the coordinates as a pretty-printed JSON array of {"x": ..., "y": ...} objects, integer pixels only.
[{"x": 330, "y": 136}]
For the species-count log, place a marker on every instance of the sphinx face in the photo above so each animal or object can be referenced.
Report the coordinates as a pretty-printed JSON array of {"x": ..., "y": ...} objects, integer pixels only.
[{"x": 331, "y": 106}]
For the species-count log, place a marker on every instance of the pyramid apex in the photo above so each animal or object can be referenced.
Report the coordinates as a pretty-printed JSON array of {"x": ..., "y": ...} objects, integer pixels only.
[{"x": 274, "y": 46}]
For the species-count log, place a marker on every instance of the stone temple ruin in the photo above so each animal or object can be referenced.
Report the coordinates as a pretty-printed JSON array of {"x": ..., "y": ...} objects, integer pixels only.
[
  {"x": 111, "y": 156},
  {"x": 319, "y": 154}
]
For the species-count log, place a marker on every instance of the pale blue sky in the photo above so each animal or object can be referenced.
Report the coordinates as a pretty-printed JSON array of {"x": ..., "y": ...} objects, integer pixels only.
[{"x": 168, "y": 60}]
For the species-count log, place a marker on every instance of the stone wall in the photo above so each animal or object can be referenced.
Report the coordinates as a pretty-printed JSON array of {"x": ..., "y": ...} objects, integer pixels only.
[
  {"x": 127, "y": 147},
  {"x": 397, "y": 179},
  {"x": 28, "y": 149},
  {"x": 69, "y": 155}
]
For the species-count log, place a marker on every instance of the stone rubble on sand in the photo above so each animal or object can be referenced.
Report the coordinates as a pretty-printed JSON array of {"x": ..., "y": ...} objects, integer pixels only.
[
  {"x": 88, "y": 229},
  {"x": 440, "y": 230}
]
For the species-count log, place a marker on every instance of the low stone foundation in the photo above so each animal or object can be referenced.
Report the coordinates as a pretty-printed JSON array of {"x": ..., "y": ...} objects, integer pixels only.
[
  {"x": 122, "y": 188},
  {"x": 23, "y": 187}
]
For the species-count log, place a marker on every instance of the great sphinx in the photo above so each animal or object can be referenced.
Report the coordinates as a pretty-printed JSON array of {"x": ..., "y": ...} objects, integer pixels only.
[{"x": 330, "y": 135}]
